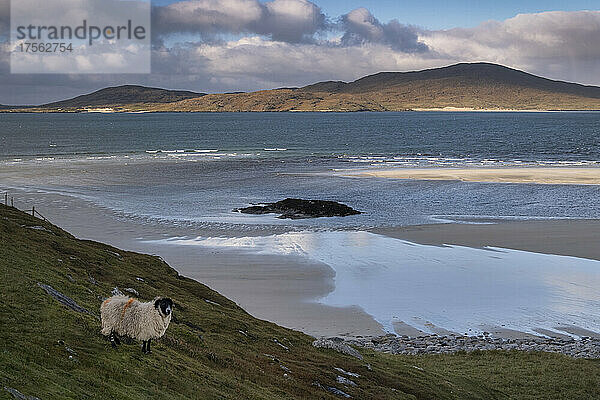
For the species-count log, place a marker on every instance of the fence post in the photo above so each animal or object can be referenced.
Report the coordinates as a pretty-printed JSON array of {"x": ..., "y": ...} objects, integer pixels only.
[
  {"x": 6, "y": 198},
  {"x": 33, "y": 210},
  {"x": 12, "y": 202}
]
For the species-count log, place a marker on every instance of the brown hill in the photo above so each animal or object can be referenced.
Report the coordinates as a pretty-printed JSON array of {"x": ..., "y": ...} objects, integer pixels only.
[
  {"x": 125, "y": 95},
  {"x": 477, "y": 86},
  {"x": 463, "y": 86},
  {"x": 483, "y": 74}
]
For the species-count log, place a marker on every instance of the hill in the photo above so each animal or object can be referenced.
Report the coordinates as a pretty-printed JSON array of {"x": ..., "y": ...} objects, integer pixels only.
[
  {"x": 483, "y": 74},
  {"x": 476, "y": 86},
  {"x": 212, "y": 349},
  {"x": 479, "y": 86},
  {"x": 122, "y": 98}
]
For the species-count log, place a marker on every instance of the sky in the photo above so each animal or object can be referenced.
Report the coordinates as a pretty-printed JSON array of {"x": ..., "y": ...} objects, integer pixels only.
[
  {"x": 445, "y": 14},
  {"x": 245, "y": 45}
]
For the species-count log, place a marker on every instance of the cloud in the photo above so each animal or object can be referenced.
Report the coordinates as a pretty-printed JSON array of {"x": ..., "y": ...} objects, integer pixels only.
[
  {"x": 292, "y": 43},
  {"x": 557, "y": 44},
  {"x": 362, "y": 27},
  {"x": 253, "y": 63},
  {"x": 561, "y": 45},
  {"x": 283, "y": 20}
]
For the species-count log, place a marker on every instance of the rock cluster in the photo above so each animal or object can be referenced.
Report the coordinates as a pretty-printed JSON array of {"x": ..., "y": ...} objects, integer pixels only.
[
  {"x": 586, "y": 347},
  {"x": 299, "y": 209},
  {"x": 337, "y": 344}
]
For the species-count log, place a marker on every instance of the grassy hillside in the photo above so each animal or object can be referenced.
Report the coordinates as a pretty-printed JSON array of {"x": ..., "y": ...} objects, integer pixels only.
[
  {"x": 212, "y": 349},
  {"x": 472, "y": 86}
]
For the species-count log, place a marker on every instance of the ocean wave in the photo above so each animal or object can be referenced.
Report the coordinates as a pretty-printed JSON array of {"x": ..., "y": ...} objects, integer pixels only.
[
  {"x": 493, "y": 219},
  {"x": 431, "y": 161}
]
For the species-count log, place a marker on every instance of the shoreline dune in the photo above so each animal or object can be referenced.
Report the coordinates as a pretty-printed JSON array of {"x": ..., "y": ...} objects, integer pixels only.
[{"x": 540, "y": 175}]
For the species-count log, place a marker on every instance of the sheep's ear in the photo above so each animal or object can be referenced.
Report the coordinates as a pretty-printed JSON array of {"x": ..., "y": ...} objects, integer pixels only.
[{"x": 156, "y": 303}]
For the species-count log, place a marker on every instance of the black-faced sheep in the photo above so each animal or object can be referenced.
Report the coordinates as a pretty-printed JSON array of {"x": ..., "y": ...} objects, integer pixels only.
[{"x": 125, "y": 316}]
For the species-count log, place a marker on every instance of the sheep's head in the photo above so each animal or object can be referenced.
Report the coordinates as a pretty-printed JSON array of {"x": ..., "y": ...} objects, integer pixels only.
[{"x": 164, "y": 305}]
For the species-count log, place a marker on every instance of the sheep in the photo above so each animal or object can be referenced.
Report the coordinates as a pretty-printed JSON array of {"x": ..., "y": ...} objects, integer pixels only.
[{"x": 125, "y": 316}]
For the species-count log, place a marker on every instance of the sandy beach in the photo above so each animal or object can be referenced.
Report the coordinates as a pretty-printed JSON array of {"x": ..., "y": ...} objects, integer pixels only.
[
  {"x": 283, "y": 288},
  {"x": 542, "y": 175}
]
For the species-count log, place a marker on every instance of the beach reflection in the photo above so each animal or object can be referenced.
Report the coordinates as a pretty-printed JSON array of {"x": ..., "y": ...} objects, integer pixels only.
[{"x": 456, "y": 288}]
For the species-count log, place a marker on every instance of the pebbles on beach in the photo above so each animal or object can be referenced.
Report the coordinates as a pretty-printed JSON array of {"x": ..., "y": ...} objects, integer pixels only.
[{"x": 586, "y": 347}]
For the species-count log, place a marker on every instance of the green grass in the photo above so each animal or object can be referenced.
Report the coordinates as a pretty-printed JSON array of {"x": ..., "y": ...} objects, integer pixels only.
[
  {"x": 522, "y": 375},
  {"x": 203, "y": 355}
]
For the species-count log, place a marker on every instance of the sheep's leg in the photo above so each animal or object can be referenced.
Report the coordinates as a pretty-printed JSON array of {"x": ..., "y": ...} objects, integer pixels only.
[
  {"x": 117, "y": 340},
  {"x": 148, "y": 351},
  {"x": 113, "y": 340},
  {"x": 144, "y": 347}
]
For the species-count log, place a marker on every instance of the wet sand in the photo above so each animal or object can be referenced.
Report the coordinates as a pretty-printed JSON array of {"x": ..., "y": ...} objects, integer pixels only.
[
  {"x": 548, "y": 175},
  {"x": 276, "y": 288}
]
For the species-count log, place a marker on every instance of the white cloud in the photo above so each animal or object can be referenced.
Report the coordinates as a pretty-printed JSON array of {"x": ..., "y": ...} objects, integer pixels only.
[
  {"x": 559, "y": 44},
  {"x": 285, "y": 20},
  {"x": 252, "y": 63}
]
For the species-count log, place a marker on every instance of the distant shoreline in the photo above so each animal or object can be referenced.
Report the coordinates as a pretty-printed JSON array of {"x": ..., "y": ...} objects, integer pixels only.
[{"x": 32, "y": 110}]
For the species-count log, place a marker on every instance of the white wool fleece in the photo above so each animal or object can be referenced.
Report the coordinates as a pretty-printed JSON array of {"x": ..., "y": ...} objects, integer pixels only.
[{"x": 127, "y": 316}]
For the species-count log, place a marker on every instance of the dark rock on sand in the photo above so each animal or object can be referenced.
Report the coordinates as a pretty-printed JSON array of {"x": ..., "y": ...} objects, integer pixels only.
[{"x": 299, "y": 209}]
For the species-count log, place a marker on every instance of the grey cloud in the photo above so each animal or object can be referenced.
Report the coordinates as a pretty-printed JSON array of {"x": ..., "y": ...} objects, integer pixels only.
[
  {"x": 558, "y": 44},
  {"x": 361, "y": 26},
  {"x": 283, "y": 20}
]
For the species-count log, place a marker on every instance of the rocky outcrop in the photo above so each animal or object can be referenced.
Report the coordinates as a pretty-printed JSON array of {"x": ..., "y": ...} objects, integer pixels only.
[
  {"x": 299, "y": 209},
  {"x": 62, "y": 299},
  {"x": 337, "y": 344},
  {"x": 332, "y": 390},
  {"x": 18, "y": 395}
]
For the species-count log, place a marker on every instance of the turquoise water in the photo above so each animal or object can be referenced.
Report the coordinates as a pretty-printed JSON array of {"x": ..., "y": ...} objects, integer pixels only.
[
  {"x": 195, "y": 168},
  {"x": 415, "y": 136}
]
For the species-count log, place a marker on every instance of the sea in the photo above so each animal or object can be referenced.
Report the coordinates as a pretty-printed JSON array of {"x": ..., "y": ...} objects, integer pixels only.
[
  {"x": 194, "y": 169},
  {"x": 199, "y": 167}
]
